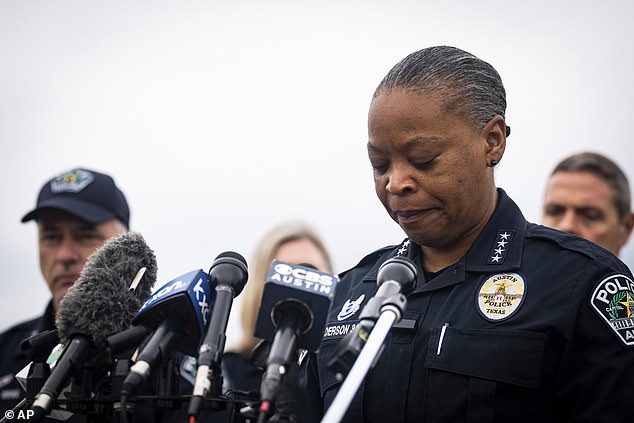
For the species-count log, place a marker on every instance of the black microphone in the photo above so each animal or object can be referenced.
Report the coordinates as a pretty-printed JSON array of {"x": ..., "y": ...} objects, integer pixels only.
[
  {"x": 39, "y": 346},
  {"x": 303, "y": 289},
  {"x": 178, "y": 313},
  {"x": 228, "y": 273},
  {"x": 396, "y": 278},
  {"x": 100, "y": 303},
  {"x": 295, "y": 304}
]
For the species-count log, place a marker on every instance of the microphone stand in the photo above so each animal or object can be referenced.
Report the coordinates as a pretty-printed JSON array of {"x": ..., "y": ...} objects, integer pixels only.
[
  {"x": 282, "y": 370},
  {"x": 286, "y": 400},
  {"x": 391, "y": 309}
]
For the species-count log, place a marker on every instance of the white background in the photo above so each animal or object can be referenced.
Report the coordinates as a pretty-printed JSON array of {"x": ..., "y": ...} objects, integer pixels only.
[{"x": 220, "y": 119}]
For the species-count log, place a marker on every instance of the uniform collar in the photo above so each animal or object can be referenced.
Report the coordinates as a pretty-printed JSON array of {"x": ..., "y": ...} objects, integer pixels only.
[
  {"x": 48, "y": 319},
  {"x": 499, "y": 245},
  {"x": 406, "y": 248},
  {"x": 498, "y": 248}
]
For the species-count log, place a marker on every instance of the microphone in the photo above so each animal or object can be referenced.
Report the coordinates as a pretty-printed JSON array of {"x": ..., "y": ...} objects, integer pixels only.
[
  {"x": 299, "y": 288},
  {"x": 228, "y": 273},
  {"x": 39, "y": 346},
  {"x": 396, "y": 278},
  {"x": 97, "y": 305},
  {"x": 177, "y": 313},
  {"x": 295, "y": 304}
]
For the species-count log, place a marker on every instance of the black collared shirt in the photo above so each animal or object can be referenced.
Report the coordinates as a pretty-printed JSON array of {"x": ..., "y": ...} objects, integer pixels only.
[
  {"x": 12, "y": 360},
  {"x": 530, "y": 325}
]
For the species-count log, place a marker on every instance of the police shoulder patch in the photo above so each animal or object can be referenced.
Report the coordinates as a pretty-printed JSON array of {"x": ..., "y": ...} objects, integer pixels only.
[
  {"x": 613, "y": 300},
  {"x": 500, "y": 296}
]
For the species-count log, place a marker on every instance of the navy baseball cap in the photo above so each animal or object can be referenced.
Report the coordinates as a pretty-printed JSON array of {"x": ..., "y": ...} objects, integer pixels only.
[{"x": 84, "y": 193}]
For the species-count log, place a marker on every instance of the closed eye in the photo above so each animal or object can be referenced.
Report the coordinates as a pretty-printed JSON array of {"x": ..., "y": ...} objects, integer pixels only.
[
  {"x": 379, "y": 167},
  {"x": 423, "y": 165}
]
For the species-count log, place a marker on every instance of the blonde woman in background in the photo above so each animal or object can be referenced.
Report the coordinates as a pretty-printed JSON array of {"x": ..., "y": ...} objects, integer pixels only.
[{"x": 293, "y": 242}]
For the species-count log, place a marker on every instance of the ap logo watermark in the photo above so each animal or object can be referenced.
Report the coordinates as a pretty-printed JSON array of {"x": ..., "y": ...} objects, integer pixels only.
[{"x": 19, "y": 415}]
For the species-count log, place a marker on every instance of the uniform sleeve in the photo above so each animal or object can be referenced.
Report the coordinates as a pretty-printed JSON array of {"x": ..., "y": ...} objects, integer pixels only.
[{"x": 596, "y": 380}]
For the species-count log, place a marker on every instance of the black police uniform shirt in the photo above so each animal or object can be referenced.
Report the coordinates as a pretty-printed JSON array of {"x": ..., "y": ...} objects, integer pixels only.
[
  {"x": 531, "y": 325},
  {"x": 12, "y": 360}
]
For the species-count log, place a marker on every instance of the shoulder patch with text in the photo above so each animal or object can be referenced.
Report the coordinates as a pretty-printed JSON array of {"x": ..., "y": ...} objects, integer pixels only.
[
  {"x": 500, "y": 296},
  {"x": 613, "y": 300}
]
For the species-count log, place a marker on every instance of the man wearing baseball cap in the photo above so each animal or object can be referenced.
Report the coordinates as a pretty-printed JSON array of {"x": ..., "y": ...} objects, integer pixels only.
[{"x": 76, "y": 212}]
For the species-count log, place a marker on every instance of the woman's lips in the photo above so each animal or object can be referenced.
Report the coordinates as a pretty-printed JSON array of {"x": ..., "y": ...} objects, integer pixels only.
[{"x": 410, "y": 216}]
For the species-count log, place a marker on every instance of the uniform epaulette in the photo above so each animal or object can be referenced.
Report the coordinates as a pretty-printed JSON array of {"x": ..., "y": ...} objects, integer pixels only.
[{"x": 569, "y": 242}]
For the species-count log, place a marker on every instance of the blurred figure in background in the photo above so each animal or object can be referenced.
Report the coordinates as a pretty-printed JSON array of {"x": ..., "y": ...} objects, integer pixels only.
[
  {"x": 589, "y": 195},
  {"x": 294, "y": 242},
  {"x": 76, "y": 212}
]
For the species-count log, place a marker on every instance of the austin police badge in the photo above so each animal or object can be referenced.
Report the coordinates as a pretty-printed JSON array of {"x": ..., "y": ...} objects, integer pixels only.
[
  {"x": 613, "y": 299},
  {"x": 500, "y": 296}
]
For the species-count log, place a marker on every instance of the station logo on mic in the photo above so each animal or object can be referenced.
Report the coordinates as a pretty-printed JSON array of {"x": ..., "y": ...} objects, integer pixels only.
[
  {"x": 188, "y": 295},
  {"x": 286, "y": 283}
]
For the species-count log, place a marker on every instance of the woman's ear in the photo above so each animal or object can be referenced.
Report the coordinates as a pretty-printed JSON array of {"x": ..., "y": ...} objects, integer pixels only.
[{"x": 495, "y": 133}]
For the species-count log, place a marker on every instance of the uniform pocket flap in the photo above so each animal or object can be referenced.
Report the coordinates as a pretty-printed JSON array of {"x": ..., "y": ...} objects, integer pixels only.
[{"x": 509, "y": 356}]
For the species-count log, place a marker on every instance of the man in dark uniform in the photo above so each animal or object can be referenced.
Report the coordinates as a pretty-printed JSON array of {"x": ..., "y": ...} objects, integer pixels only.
[
  {"x": 76, "y": 212},
  {"x": 508, "y": 321}
]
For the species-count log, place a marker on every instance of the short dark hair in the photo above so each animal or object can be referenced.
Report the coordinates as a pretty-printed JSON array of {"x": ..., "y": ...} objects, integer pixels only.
[
  {"x": 599, "y": 165},
  {"x": 468, "y": 84}
]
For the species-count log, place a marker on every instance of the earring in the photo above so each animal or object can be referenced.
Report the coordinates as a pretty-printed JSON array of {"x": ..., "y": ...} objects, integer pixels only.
[{"x": 493, "y": 163}]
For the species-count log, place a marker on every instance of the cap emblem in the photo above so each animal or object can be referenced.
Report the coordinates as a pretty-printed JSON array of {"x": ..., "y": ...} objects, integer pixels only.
[{"x": 72, "y": 181}]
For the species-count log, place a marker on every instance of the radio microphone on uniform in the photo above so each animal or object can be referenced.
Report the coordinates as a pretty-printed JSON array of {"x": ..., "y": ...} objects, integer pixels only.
[{"x": 102, "y": 289}]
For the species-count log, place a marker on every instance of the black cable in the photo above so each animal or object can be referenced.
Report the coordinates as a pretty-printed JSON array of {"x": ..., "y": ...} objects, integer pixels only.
[{"x": 123, "y": 412}]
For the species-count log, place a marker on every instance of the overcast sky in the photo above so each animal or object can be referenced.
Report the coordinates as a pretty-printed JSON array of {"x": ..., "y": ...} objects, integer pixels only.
[{"x": 220, "y": 119}]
